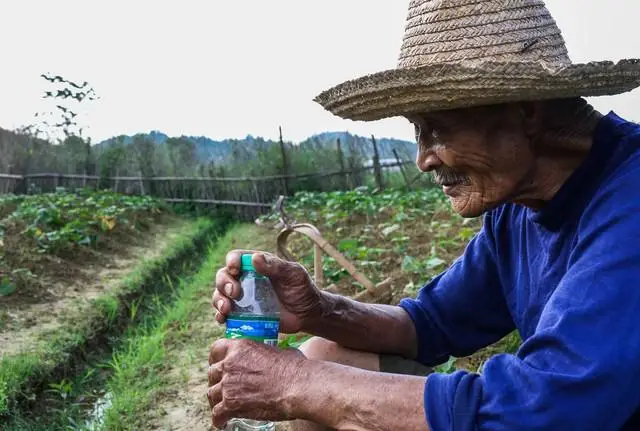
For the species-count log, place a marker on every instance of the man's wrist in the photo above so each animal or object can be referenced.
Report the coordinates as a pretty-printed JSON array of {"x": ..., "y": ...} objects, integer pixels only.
[
  {"x": 297, "y": 398},
  {"x": 326, "y": 305}
]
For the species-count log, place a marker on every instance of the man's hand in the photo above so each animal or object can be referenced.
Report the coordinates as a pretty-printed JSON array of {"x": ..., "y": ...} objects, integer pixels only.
[
  {"x": 255, "y": 381},
  {"x": 299, "y": 298},
  {"x": 250, "y": 380}
]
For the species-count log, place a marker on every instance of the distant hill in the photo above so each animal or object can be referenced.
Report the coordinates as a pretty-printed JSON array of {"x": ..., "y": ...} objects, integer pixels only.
[{"x": 208, "y": 149}]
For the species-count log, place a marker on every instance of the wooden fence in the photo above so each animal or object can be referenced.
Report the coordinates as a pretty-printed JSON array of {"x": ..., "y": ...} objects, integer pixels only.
[{"x": 248, "y": 197}]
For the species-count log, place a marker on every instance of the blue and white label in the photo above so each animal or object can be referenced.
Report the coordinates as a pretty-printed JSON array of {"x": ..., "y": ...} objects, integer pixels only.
[{"x": 261, "y": 330}]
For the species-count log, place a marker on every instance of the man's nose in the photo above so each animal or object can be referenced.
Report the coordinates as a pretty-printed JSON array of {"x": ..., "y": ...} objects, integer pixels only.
[{"x": 427, "y": 160}]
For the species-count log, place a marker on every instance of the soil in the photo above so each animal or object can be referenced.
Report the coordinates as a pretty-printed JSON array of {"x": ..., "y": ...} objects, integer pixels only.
[
  {"x": 184, "y": 406},
  {"x": 64, "y": 286}
]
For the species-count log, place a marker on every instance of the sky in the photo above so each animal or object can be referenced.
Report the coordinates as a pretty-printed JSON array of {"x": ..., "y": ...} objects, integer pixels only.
[{"x": 226, "y": 69}]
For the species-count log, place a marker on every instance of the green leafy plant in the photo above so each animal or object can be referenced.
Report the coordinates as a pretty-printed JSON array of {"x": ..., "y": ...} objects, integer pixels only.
[
  {"x": 63, "y": 388},
  {"x": 63, "y": 220},
  {"x": 293, "y": 341},
  {"x": 7, "y": 286},
  {"x": 448, "y": 367}
]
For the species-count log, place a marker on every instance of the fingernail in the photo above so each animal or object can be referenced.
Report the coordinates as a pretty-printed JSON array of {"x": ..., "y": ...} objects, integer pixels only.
[
  {"x": 228, "y": 289},
  {"x": 267, "y": 259},
  {"x": 220, "y": 304}
]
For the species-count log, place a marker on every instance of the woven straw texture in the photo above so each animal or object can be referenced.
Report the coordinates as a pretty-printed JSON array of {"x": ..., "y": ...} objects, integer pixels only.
[{"x": 462, "y": 53}]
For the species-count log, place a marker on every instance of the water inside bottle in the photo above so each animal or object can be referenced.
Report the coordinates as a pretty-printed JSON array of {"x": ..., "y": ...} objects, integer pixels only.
[{"x": 249, "y": 425}]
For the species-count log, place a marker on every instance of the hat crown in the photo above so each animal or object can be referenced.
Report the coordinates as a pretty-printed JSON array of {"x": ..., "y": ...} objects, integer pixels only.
[{"x": 444, "y": 31}]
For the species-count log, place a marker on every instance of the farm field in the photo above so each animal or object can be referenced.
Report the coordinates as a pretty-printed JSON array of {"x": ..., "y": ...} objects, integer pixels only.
[
  {"x": 77, "y": 270},
  {"x": 407, "y": 236},
  {"x": 106, "y": 303}
]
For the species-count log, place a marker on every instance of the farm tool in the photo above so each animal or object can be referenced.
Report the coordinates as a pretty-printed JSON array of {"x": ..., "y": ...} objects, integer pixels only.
[{"x": 380, "y": 292}]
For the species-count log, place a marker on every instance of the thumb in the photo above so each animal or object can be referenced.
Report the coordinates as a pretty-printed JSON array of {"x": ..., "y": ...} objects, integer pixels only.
[{"x": 272, "y": 266}]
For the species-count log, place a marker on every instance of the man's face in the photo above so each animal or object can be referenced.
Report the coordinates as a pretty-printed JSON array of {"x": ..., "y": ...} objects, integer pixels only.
[{"x": 481, "y": 157}]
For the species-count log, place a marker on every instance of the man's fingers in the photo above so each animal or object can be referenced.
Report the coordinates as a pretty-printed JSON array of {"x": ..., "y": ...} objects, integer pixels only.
[
  {"x": 222, "y": 304},
  {"x": 233, "y": 260},
  {"x": 214, "y": 395},
  {"x": 227, "y": 284},
  {"x": 270, "y": 265},
  {"x": 214, "y": 374},
  {"x": 220, "y": 415},
  {"x": 218, "y": 350}
]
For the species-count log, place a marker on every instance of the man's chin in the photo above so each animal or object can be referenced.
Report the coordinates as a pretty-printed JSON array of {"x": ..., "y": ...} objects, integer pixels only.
[{"x": 465, "y": 207}]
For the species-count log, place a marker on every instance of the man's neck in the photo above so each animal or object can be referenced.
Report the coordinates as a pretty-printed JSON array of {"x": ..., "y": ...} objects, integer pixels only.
[{"x": 561, "y": 152}]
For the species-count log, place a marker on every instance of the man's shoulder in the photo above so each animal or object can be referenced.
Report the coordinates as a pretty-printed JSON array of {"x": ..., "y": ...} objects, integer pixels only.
[{"x": 619, "y": 190}]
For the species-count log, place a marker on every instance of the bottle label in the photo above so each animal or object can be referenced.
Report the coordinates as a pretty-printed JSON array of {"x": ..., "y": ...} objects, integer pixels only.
[{"x": 258, "y": 328}]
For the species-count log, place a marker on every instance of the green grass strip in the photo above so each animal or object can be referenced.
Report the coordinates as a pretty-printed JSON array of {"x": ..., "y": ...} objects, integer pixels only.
[
  {"x": 22, "y": 375},
  {"x": 138, "y": 367}
]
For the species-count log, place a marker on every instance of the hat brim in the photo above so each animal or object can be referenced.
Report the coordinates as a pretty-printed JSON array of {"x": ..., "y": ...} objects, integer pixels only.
[{"x": 437, "y": 87}]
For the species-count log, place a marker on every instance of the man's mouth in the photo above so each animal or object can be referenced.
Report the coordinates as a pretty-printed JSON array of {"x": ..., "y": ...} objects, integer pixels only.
[{"x": 447, "y": 177}]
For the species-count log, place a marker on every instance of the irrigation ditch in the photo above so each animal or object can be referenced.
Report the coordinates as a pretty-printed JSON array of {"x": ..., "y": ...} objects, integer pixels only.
[{"x": 61, "y": 384}]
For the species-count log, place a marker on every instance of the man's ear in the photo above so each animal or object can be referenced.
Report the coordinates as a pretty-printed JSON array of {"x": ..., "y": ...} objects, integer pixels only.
[{"x": 532, "y": 114}]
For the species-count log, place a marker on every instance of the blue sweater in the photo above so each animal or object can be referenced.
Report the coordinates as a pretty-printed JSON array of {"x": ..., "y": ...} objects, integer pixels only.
[{"x": 567, "y": 278}]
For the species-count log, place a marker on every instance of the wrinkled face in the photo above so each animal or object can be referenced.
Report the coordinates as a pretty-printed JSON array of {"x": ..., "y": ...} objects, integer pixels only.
[{"x": 482, "y": 157}]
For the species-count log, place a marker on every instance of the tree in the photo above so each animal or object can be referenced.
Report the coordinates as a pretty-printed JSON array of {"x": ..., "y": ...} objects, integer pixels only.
[
  {"x": 182, "y": 153},
  {"x": 110, "y": 160}
]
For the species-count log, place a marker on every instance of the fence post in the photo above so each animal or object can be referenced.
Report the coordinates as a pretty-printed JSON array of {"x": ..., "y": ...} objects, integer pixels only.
[
  {"x": 344, "y": 176},
  {"x": 115, "y": 187},
  {"x": 285, "y": 164},
  {"x": 376, "y": 164},
  {"x": 141, "y": 183},
  {"x": 255, "y": 191},
  {"x": 401, "y": 166},
  {"x": 23, "y": 188}
]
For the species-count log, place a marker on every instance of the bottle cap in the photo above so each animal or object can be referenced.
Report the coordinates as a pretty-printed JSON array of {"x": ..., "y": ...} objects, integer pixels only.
[{"x": 246, "y": 263}]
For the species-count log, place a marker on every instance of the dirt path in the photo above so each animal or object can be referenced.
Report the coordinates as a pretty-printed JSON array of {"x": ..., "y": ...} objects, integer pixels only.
[
  {"x": 23, "y": 324},
  {"x": 183, "y": 405}
]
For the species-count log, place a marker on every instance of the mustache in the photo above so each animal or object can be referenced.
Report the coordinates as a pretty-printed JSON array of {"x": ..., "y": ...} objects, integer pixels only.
[{"x": 445, "y": 175}]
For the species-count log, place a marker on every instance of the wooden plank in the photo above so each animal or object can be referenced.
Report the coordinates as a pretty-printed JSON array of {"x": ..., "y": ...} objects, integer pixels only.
[
  {"x": 62, "y": 176},
  {"x": 217, "y": 202},
  {"x": 221, "y": 179}
]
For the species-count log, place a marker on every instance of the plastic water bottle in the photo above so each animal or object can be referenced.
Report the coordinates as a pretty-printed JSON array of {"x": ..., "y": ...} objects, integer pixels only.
[{"x": 254, "y": 315}]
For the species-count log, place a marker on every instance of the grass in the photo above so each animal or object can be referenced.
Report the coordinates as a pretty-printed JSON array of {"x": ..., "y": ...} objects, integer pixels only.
[
  {"x": 61, "y": 352},
  {"x": 157, "y": 358}
]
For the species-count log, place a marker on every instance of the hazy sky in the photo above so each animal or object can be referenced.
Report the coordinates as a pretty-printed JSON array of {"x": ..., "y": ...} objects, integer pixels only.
[{"x": 232, "y": 68}]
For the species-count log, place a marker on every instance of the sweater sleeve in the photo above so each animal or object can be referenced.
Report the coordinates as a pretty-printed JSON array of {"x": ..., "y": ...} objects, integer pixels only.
[
  {"x": 462, "y": 309},
  {"x": 580, "y": 368}
]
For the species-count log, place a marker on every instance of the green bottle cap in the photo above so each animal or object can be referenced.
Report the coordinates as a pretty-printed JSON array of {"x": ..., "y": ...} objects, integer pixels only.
[{"x": 246, "y": 263}]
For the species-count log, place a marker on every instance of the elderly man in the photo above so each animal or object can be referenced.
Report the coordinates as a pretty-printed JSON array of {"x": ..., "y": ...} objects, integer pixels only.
[{"x": 500, "y": 121}]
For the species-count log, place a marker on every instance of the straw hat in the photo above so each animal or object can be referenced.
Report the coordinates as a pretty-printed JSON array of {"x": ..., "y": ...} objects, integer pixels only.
[{"x": 461, "y": 53}]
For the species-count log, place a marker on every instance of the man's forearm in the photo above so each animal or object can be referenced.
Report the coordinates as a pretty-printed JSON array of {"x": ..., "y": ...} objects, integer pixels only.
[
  {"x": 373, "y": 328},
  {"x": 347, "y": 398}
]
